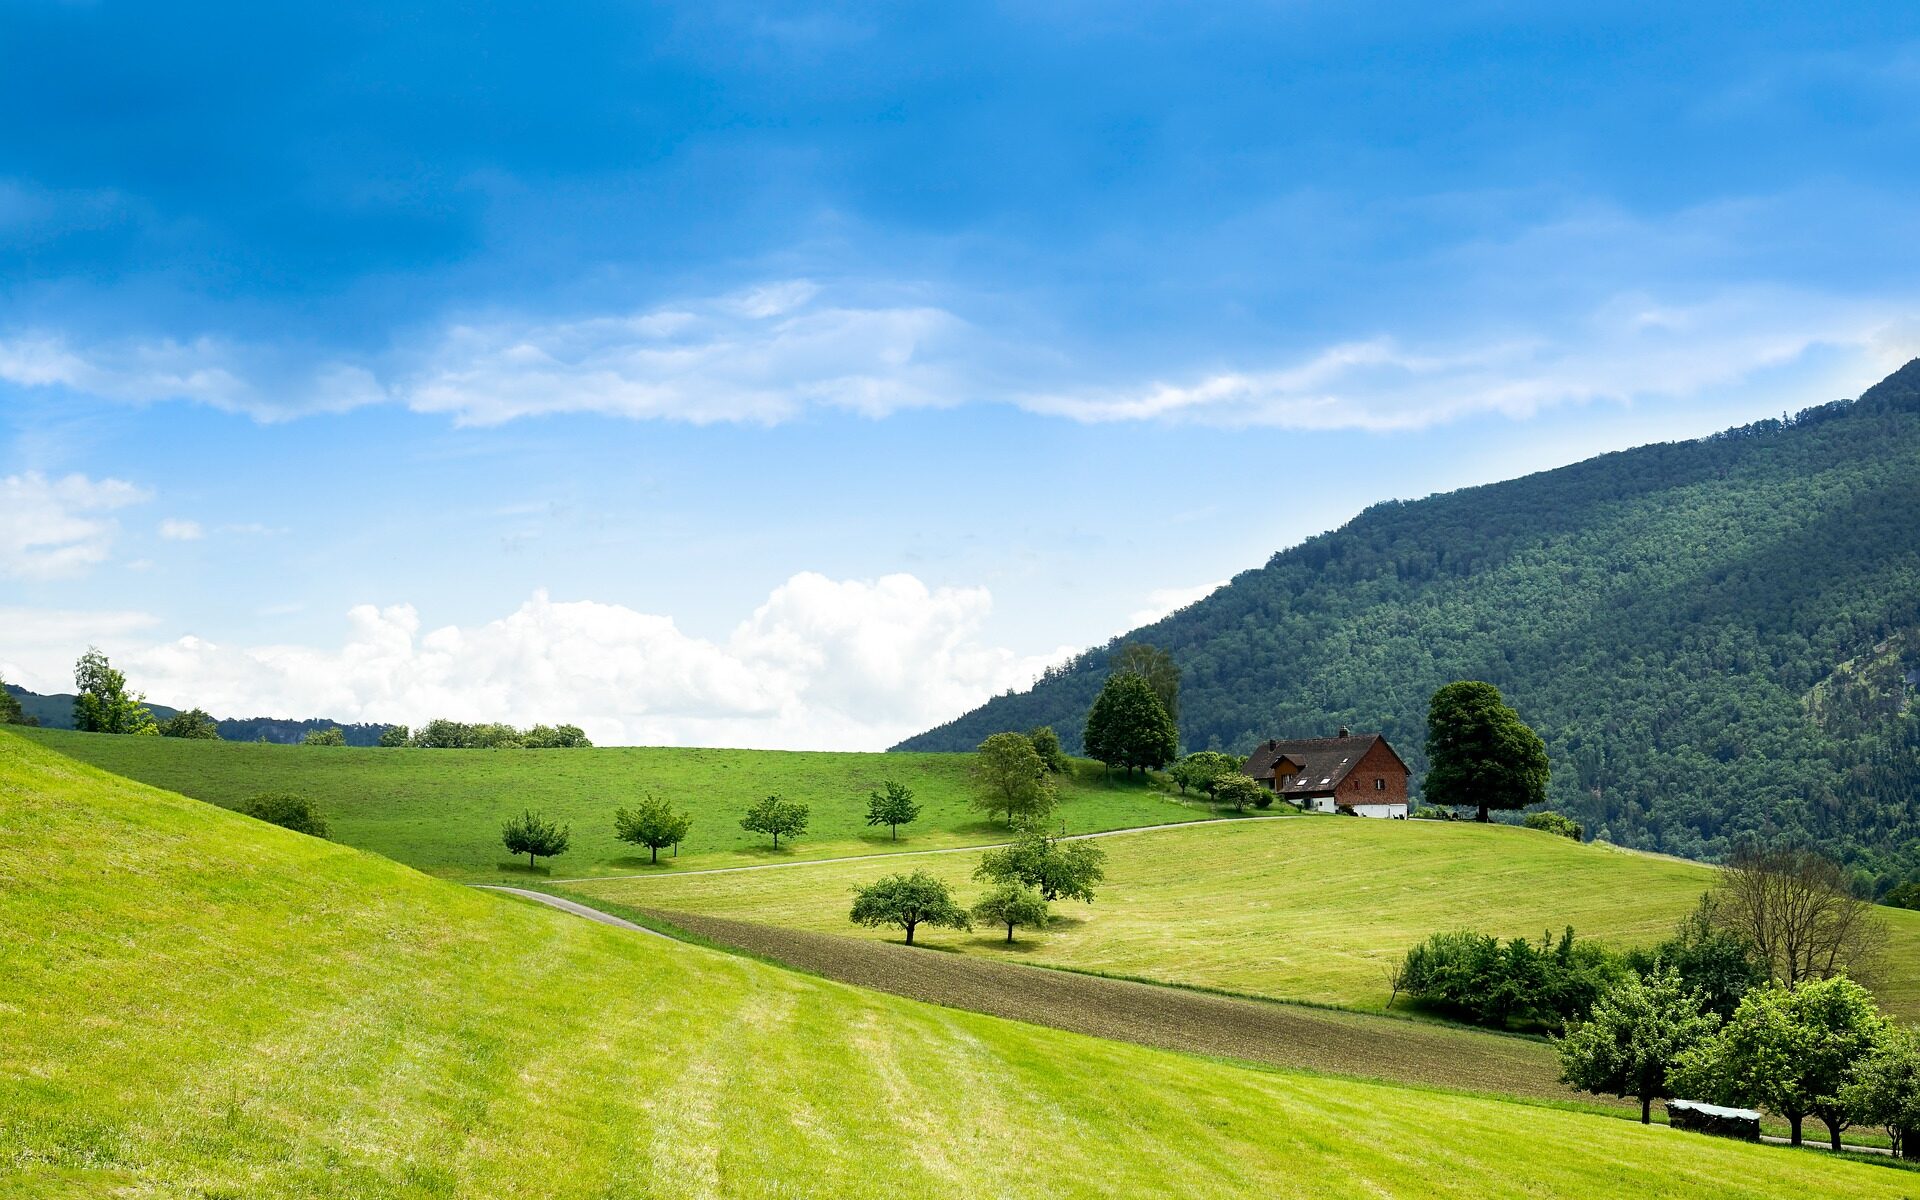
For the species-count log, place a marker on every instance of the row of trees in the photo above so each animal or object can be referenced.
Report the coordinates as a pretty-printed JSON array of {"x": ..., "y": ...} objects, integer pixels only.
[
  {"x": 442, "y": 734},
  {"x": 1023, "y": 879}
]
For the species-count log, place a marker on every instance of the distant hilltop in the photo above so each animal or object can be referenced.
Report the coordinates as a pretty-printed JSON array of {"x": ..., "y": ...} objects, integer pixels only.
[{"x": 56, "y": 712}]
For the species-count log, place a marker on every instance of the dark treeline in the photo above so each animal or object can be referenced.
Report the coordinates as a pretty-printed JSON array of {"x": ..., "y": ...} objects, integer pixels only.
[{"x": 1719, "y": 640}]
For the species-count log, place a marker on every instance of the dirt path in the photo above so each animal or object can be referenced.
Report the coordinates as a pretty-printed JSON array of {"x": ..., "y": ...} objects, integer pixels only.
[
  {"x": 1282, "y": 1035},
  {"x": 571, "y": 906},
  {"x": 814, "y": 862}
]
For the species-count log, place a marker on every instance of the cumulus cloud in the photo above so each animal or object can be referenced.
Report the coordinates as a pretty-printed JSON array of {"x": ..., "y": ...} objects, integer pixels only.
[
  {"x": 850, "y": 664},
  {"x": 57, "y": 528},
  {"x": 38, "y": 646},
  {"x": 173, "y": 529}
]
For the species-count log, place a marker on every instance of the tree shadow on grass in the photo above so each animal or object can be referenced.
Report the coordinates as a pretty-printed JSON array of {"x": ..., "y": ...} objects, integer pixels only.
[
  {"x": 519, "y": 868},
  {"x": 639, "y": 862}
]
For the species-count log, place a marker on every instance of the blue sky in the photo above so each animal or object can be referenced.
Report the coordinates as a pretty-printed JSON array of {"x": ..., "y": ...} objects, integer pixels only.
[{"x": 782, "y": 375}]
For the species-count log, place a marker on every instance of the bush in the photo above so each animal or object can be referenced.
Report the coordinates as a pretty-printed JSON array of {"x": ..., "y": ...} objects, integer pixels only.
[
  {"x": 1497, "y": 984},
  {"x": 1427, "y": 812},
  {"x": 287, "y": 811},
  {"x": 333, "y": 736},
  {"x": 1906, "y": 895},
  {"x": 1553, "y": 822}
]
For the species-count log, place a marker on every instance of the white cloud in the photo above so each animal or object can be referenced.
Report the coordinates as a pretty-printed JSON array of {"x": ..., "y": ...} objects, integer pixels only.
[
  {"x": 38, "y": 647},
  {"x": 1163, "y": 602},
  {"x": 173, "y": 529},
  {"x": 773, "y": 352},
  {"x": 56, "y": 528},
  {"x": 763, "y": 356},
  {"x": 1632, "y": 348},
  {"x": 822, "y": 664}
]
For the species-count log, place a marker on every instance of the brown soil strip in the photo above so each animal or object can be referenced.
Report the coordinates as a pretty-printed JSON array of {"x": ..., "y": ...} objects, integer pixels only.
[{"x": 1281, "y": 1035}]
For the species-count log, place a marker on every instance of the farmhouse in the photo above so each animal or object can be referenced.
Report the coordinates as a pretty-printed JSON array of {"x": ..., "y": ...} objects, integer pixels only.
[{"x": 1356, "y": 773}]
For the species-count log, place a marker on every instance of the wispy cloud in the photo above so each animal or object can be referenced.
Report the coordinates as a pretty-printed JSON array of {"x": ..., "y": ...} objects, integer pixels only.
[
  {"x": 57, "y": 528},
  {"x": 775, "y": 351},
  {"x": 174, "y": 529}
]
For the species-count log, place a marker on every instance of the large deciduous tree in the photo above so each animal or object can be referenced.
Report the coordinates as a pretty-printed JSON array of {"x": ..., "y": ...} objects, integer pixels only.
[
  {"x": 1009, "y": 777},
  {"x": 1480, "y": 753},
  {"x": 534, "y": 836},
  {"x": 893, "y": 807},
  {"x": 652, "y": 823},
  {"x": 1202, "y": 769},
  {"x": 777, "y": 816},
  {"x": 1129, "y": 727},
  {"x": 908, "y": 902},
  {"x": 1795, "y": 908},
  {"x": 1240, "y": 791},
  {"x": 102, "y": 703},
  {"x": 1788, "y": 1050},
  {"x": 1636, "y": 1032}
]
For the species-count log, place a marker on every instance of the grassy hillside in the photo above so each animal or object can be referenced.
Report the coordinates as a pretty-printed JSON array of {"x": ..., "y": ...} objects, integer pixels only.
[
  {"x": 440, "y": 810},
  {"x": 1663, "y": 616},
  {"x": 265, "y": 1015},
  {"x": 1313, "y": 908}
]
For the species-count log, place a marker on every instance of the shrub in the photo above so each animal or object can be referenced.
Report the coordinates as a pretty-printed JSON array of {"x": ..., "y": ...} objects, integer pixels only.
[
  {"x": 332, "y": 736},
  {"x": 1553, "y": 822},
  {"x": 1497, "y": 984},
  {"x": 288, "y": 811}
]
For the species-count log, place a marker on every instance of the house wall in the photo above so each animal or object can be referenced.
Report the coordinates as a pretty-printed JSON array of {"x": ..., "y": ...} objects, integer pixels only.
[{"x": 1381, "y": 764}]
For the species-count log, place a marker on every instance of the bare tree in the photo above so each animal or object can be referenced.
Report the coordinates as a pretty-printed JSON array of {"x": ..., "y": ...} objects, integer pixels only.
[{"x": 1795, "y": 909}]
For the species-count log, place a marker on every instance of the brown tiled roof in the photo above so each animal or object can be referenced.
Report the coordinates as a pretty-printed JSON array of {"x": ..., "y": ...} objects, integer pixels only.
[{"x": 1323, "y": 762}]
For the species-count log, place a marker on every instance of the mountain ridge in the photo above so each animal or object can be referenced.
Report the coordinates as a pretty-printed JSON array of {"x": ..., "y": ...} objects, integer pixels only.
[
  {"x": 1667, "y": 616},
  {"x": 55, "y": 711}
]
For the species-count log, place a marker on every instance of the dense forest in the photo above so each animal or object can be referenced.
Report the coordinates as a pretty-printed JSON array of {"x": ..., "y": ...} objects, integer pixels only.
[
  {"x": 1719, "y": 640},
  {"x": 56, "y": 712}
]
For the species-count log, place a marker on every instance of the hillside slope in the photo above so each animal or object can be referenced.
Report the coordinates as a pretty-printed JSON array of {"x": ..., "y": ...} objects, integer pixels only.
[
  {"x": 1686, "y": 624},
  {"x": 1313, "y": 908},
  {"x": 441, "y": 810},
  {"x": 265, "y": 1015}
]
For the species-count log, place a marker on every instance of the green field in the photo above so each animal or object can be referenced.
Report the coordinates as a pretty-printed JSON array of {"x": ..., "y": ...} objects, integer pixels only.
[
  {"x": 440, "y": 810},
  {"x": 197, "y": 1005},
  {"x": 1315, "y": 908}
]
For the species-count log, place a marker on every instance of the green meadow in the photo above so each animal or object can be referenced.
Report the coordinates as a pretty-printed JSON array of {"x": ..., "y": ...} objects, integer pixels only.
[
  {"x": 1313, "y": 908},
  {"x": 441, "y": 810},
  {"x": 198, "y": 1005}
]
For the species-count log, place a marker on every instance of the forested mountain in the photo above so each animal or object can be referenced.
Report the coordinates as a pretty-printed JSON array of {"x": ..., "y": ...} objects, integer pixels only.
[
  {"x": 56, "y": 712},
  {"x": 1719, "y": 640}
]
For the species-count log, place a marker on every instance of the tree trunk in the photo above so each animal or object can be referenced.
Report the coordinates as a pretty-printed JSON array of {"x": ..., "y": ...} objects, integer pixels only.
[
  {"x": 1483, "y": 813},
  {"x": 656, "y": 852},
  {"x": 1833, "y": 1137},
  {"x": 776, "y": 841},
  {"x": 896, "y": 833},
  {"x": 1009, "y": 933},
  {"x": 1910, "y": 1144},
  {"x": 529, "y": 860},
  {"x": 1646, "y": 1110},
  {"x": 910, "y": 925},
  {"x": 1795, "y": 1122}
]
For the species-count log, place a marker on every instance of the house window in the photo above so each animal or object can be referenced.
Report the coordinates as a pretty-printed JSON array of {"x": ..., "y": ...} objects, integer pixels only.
[{"x": 1379, "y": 785}]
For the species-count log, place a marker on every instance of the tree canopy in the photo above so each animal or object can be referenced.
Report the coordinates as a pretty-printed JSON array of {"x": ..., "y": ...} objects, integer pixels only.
[
  {"x": 1009, "y": 778},
  {"x": 1633, "y": 1037},
  {"x": 777, "y": 816},
  {"x": 102, "y": 703},
  {"x": 1129, "y": 727},
  {"x": 892, "y": 806},
  {"x": 1011, "y": 905},
  {"x": 1479, "y": 752},
  {"x": 287, "y": 810},
  {"x": 193, "y": 724},
  {"x": 1057, "y": 868},
  {"x": 1791, "y": 1051},
  {"x": 1157, "y": 667},
  {"x": 534, "y": 836},
  {"x": 653, "y": 823},
  {"x": 908, "y": 902}
]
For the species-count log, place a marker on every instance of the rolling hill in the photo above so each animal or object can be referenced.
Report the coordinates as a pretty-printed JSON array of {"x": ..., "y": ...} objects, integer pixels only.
[
  {"x": 441, "y": 810},
  {"x": 1719, "y": 639},
  {"x": 1309, "y": 908},
  {"x": 267, "y": 1015}
]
